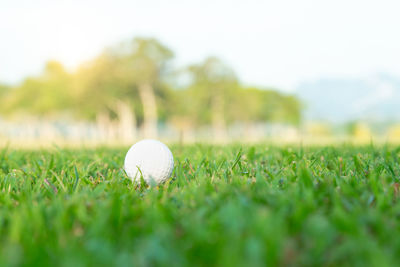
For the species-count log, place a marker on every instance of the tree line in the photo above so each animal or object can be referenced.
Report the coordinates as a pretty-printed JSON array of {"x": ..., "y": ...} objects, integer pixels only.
[{"x": 135, "y": 84}]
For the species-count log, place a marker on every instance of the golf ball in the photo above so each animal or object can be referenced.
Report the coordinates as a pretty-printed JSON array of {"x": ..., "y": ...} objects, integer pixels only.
[{"x": 149, "y": 158}]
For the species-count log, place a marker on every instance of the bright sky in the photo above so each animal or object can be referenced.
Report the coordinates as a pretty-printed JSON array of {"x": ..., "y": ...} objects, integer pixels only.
[{"x": 269, "y": 43}]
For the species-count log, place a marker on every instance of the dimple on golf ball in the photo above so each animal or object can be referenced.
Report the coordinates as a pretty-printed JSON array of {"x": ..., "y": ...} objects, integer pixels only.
[{"x": 151, "y": 159}]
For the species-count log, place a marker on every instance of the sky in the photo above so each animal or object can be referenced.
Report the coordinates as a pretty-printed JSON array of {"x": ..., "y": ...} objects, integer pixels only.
[{"x": 276, "y": 44}]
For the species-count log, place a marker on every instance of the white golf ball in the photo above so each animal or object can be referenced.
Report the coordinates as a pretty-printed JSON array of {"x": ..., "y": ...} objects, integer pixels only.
[{"x": 149, "y": 158}]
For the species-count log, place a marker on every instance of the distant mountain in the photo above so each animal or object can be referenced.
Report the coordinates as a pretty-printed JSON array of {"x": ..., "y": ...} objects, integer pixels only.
[{"x": 339, "y": 100}]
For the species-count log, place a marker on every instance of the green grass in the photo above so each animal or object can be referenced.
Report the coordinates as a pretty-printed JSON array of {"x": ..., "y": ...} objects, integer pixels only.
[{"x": 224, "y": 206}]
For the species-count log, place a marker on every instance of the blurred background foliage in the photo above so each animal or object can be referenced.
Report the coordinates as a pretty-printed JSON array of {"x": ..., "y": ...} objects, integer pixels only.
[
  {"x": 140, "y": 74},
  {"x": 132, "y": 89}
]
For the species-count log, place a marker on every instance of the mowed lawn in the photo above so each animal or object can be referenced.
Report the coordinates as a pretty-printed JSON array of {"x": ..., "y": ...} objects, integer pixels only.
[{"x": 237, "y": 205}]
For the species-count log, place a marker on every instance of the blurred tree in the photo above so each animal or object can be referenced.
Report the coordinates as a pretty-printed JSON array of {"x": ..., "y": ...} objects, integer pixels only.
[
  {"x": 281, "y": 108},
  {"x": 47, "y": 95},
  {"x": 128, "y": 82},
  {"x": 144, "y": 63},
  {"x": 127, "y": 72},
  {"x": 4, "y": 91},
  {"x": 350, "y": 127},
  {"x": 211, "y": 94},
  {"x": 102, "y": 92},
  {"x": 212, "y": 86},
  {"x": 183, "y": 110},
  {"x": 259, "y": 105},
  {"x": 99, "y": 86}
]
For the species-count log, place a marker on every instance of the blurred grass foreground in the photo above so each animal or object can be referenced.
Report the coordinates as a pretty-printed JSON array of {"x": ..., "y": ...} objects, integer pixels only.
[
  {"x": 232, "y": 206},
  {"x": 132, "y": 90}
]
